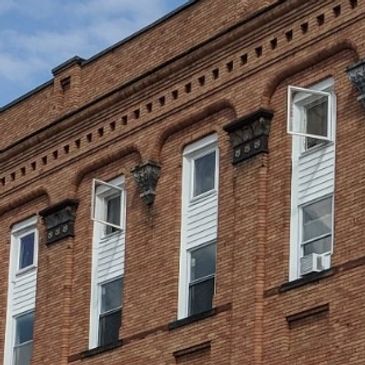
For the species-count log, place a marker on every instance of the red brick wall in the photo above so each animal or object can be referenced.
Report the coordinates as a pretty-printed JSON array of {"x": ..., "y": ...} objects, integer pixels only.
[{"x": 255, "y": 323}]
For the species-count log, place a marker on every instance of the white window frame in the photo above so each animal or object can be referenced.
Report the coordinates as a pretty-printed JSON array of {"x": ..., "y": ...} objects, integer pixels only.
[
  {"x": 301, "y": 223},
  {"x": 296, "y": 106},
  {"x": 18, "y": 236},
  {"x": 300, "y": 252},
  {"x": 99, "y": 290},
  {"x": 15, "y": 333},
  {"x": 195, "y": 150},
  {"x": 101, "y": 190},
  {"x": 189, "y": 251},
  {"x": 296, "y": 220},
  {"x": 18, "y": 230}
]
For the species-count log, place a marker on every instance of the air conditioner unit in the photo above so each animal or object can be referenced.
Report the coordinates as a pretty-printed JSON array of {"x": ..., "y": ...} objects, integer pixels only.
[{"x": 314, "y": 263}]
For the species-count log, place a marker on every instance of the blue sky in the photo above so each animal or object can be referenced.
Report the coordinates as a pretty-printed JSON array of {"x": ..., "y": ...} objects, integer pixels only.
[{"x": 37, "y": 35}]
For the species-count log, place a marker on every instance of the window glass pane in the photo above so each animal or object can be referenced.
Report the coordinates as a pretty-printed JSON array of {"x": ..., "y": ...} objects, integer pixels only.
[
  {"x": 111, "y": 295},
  {"x": 322, "y": 245},
  {"x": 317, "y": 219},
  {"x": 316, "y": 120},
  {"x": 109, "y": 326},
  {"x": 26, "y": 254},
  {"x": 203, "y": 262},
  {"x": 23, "y": 354},
  {"x": 113, "y": 209},
  {"x": 204, "y": 173},
  {"x": 24, "y": 328},
  {"x": 201, "y": 296}
]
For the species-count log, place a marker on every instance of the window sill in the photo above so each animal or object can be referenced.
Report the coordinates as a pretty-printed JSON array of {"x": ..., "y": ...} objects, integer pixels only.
[
  {"x": 316, "y": 148},
  {"x": 96, "y": 351},
  {"x": 25, "y": 270},
  {"x": 201, "y": 197},
  {"x": 191, "y": 319},
  {"x": 139, "y": 336},
  {"x": 310, "y": 278}
]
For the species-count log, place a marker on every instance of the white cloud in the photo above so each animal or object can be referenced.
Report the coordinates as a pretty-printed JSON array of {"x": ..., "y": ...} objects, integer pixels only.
[
  {"x": 7, "y": 5},
  {"x": 55, "y": 30},
  {"x": 16, "y": 69}
]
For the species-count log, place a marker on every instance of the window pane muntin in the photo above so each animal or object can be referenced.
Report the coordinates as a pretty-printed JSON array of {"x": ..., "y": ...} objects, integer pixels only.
[
  {"x": 26, "y": 250},
  {"x": 201, "y": 296},
  {"x": 204, "y": 170},
  {"x": 23, "y": 353},
  {"x": 317, "y": 219},
  {"x": 109, "y": 325},
  {"x": 202, "y": 278},
  {"x": 24, "y": 328},
  {"x": 320, "y": 246},
  {"x": 202, "y": 261},
  {"x": 111, "y": 295}
]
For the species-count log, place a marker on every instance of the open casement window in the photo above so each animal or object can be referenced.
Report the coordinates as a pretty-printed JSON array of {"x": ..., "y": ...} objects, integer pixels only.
[
  {"x": 310, "y": 115},
  {"x": 107, "y": 205}
]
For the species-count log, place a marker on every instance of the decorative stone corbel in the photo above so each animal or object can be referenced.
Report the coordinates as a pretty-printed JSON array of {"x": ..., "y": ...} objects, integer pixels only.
[
  {"x": 146, "y": 176},
  {"x": 356, "y": 74},
  {"x": 60, "y": 220},
  {"x": 249, "y": 135}
]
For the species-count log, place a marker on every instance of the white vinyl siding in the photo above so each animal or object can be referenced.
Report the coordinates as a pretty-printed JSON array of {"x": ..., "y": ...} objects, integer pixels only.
[
  {"x": 313, "y": 179},
  {"x": 22, "y": 284},
  {"x": 24, "y": 291},
  {"x": 110, "y": 256},
  {"x": 201, "y": 221},
  {"x": 199, "y": 214},
  {"x": 107, "y": 254},
  {"x": 315, "y": 173}
]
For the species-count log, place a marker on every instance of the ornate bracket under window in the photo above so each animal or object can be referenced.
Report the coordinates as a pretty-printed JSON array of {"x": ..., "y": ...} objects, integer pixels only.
[
  {"x": 146, "y": 176},
  {"x": 356, "y": 74},
  {"x": 60, "y": 220},
  {"x": 249, "y": 135}
]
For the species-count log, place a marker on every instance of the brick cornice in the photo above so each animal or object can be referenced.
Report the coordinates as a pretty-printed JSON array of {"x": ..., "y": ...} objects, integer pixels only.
[
  {"x": 114, "y": 106},
  {"x": 248, "y": 31}
]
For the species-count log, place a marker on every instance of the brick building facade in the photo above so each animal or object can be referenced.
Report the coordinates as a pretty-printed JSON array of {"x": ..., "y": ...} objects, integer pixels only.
[{"x": 168, "y": 170}]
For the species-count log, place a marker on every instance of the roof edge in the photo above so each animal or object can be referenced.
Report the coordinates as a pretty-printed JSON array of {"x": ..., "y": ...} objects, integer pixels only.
[
  {"x": 75, "y": 60},
  {"x": 80, "y": 61}
]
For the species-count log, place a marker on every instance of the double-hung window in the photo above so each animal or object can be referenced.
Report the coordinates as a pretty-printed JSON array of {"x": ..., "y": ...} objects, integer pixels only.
[
  {"x": 108, "y": 216},
  {"x": 22, "y": 279},
  {"x": 199, "y": 227},
  {"x": 23, "y": 344},
  {"x": 110, "y": 314},
  {"x": 202, "y": 278},
  {"x": 310, "y": 115},
  {"x": 311, "y": 122}
]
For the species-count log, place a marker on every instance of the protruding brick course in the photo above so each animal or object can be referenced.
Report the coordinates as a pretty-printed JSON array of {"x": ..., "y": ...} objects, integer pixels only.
[{"x": 189, "y": 76}]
